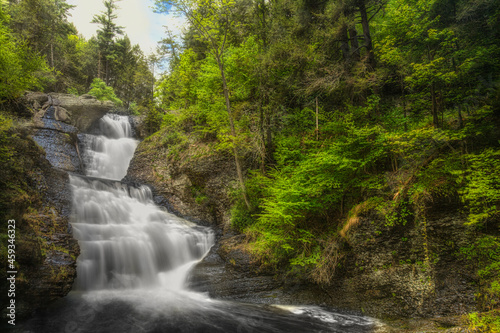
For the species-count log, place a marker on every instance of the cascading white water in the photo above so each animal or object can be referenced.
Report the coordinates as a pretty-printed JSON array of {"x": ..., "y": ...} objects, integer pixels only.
[
  {"x": 108, "y": 155},
  {"x": 126, "y": 240},
  {"x": 135, "y": 258}
]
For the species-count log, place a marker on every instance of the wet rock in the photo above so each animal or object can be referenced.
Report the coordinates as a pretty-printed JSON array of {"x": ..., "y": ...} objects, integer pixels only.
[
  {"x": 39, "y": 196},
  {"x": 138, "y": 126},
  {"x": 234, "y": 277},
  {"x": 58, "y": 122},
  {"x": 61, "y": 114},
  {"x": 78, "y": 111},
  {"x": 45, "y": 249},
  {"x": 195, "y": 187},
  {"x": 409, "y": 271},
  {"x": 59, "y": 140}
]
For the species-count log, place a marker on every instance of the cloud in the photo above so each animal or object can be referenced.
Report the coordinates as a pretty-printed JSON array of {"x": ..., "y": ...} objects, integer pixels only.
[{"x": 141, "y": 24}]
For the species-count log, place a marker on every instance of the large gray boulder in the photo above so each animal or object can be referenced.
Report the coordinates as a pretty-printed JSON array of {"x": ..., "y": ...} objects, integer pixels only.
[
  {"x": 80, "y": 111},
  {"x": 58, "y": 118}
]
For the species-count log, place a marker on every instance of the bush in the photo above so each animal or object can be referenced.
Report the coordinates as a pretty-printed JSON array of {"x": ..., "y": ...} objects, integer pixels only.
[
  {"x": 481, "y": 192},
  {"x": 102, "y": 92},
  {"x": 153, "y": 120}
]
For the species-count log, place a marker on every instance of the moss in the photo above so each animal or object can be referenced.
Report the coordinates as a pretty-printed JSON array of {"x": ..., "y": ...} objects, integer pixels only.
[{"x": 484, "y": 322}]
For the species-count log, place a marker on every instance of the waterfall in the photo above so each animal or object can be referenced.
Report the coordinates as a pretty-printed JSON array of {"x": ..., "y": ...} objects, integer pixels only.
[
  {"x": 127, "y": 241},
  {"x": 135, "y": 258},
  {"x": 108, "y": 154}
]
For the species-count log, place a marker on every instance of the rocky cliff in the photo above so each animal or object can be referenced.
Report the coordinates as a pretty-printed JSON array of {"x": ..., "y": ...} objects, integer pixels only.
[
  {"x": 392, "y": 272},
  {"x": 37, "y": 195},
  {"x": 195, "y": 184}
]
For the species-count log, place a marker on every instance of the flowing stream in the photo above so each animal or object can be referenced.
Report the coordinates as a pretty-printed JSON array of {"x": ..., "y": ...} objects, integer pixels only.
[{"x": 135, "y": 258}]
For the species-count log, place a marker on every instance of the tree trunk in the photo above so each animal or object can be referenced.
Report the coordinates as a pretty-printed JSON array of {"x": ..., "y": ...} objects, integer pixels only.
[
  {"x": 107, "y": 71},
  {"x": 99, "y": 65},
  {"x": 261, "y": 7},
  {"x": 366, "y": 33},
  {"x": 344, "y": 39},
  {"x": 233, "y": 133},
  {"x": 435, "y": 119},
  {"x": 269, "y": 138},
  {"x": 353, "y": 37},
  {"x": 353, "y": 51},
  {"x": 52, "y": 55},
  {"x": 262, "y": 136},
  {"x": 460, "y": 119},
  {"x": 264, "y": 24}
]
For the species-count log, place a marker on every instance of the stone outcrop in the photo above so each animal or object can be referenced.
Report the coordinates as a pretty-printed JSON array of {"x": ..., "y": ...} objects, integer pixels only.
[
  {"x": 39, "y": 196},
  {"x": 78, "y": 111},
  {"x": 374, "y": 278},
  {"x": 138, "y": 126},
  {"x": 58, "y": 118},
  {"x": 194, "y": 186}
]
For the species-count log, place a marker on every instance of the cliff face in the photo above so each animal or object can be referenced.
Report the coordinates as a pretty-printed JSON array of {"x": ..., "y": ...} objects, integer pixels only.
[
  {"x": 37, "y": 195},
  {"x": 195, "y": 184},
  {"x": 398, "y": 271},
  {"x": 407, "y": 271}
]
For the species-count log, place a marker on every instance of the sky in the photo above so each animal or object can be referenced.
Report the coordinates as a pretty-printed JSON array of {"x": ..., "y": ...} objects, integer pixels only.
[{"x": 142, "y": 25}]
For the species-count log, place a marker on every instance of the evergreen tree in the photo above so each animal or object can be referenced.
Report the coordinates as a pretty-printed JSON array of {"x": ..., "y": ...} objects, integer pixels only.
[{"x": 106, "y": 36}]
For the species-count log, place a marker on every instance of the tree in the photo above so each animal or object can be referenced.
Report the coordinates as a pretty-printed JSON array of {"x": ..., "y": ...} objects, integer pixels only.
[
  {"x": 43, "y": 25},
  {"x": 168, "y": 48},
  {"x": 20, "y": 67},
  {"x": 102, "y": 92},
  {"x": 212, "y": 21},
  {"x": 413, "y": 43},
  {"x": 106, "y": 36}
]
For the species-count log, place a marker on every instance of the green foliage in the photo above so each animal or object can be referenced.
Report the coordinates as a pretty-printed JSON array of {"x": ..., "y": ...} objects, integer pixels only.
[
  {"x": 310, "y": 185},
  {"x": 485, "y": 254},
  {"x": 73, "y": 91},
  {"x": 176, "y": 90},
  {"x": 396, "y": 213},
  {"x": 20, "y": 67},
  {"x": 484, "y": 257},
  {"x": 106, "y": 35},
  {"x": 134, "y": 109},
  {"x": 6, "y": 152},
  {"x": 39, "y": 35},
  {"x": 153, "y": 119},
  {"x": 241, "y": 217},
  {"x": 102, "y": 92},
  {"x": 484, "y": 322},
  {"x": 481, "y": 192}
]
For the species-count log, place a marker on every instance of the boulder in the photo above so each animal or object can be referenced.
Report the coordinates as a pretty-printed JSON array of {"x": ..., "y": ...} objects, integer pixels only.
[
  {"x": 61, "y": 114},
  {"x": 81, "y": 111}
]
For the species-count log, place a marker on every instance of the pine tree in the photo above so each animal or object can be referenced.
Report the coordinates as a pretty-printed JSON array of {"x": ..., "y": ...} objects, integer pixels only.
[{"x": 106, "y": 36}]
